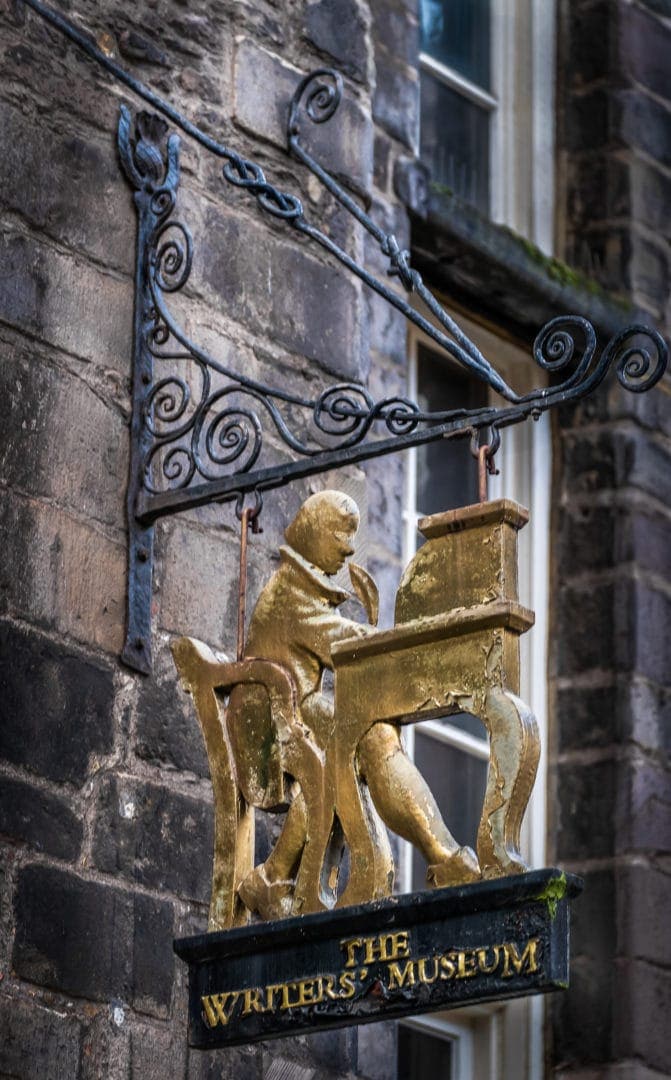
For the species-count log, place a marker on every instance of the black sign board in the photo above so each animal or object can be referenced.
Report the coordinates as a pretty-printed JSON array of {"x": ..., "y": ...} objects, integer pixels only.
[{"x": 391, "y": 958}]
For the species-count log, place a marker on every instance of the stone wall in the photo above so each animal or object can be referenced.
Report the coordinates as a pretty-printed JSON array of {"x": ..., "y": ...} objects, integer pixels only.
[
  {"x": 611, "y": 679},
  {"x": 105, "y": 800}
]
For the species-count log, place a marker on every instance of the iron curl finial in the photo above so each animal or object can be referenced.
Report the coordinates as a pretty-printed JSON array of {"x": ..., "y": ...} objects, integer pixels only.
[{"x": 320, "y": 93}]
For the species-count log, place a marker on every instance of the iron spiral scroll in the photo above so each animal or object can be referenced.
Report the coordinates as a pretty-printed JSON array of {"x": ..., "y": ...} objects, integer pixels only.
[{"x": 207, "y": 427}]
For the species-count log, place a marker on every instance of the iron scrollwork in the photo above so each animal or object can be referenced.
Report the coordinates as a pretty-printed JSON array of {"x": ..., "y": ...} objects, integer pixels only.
[
  {"x": 201, "y": 431},
  {"x": 207, "y": 425}
]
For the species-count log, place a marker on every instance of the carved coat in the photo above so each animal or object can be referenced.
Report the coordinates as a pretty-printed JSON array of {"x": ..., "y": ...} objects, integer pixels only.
[{"x": 294, "y": 623}]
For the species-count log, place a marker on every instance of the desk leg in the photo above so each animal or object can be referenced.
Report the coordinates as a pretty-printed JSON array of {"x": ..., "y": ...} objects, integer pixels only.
[{"x": 514, "y": 754}]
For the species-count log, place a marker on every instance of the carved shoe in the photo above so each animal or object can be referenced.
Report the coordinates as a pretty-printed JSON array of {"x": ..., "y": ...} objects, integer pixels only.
[
  {"x": 460, "y": 869},
  {"x": 270, "y": 899}
]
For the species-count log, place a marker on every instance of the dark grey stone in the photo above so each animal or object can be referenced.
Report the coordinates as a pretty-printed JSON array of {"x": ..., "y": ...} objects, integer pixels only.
[
  {"x": 397, "y": 31},
  {"x": 396, "y": 103},
  {"x": 55, "y": 706},
  {"x": 44, "y": 821},
  {"x": 338, "y": 27},
  {"x": 645, "y": 43},
  {"x": 586, "y": 826},
  {"x": 155, "y": 836},
  {"x": 93, "y": 940},
  {"x": 36, "y": 1040},
  {"x": 167, "y": 728}
]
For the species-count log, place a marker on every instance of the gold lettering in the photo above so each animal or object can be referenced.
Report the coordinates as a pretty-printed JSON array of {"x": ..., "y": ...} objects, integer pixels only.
[
  {"x": 421, "y": 969},
  {"x": 398, "y": 977},
  {"x": 485, "y": 968},
  {"x": 464, "y": 972},
  {"x": 286, "y": 1003},
  {"x": 329, "y": 981},
  {"x": 447, "y": 968},
  {"x": 386, "y": 947},
  {"x": 399, "y": 945},
  {"x": 350, "y": 944},
  {"x": 252, "y": 1003},
  {"x": 511, "y": 956},
  {"x": 215, "y": 1008},
  {"x": 270, "y": 996},
  {"x": 306, "y": 992},
  {"x": 346, "y": 981}
]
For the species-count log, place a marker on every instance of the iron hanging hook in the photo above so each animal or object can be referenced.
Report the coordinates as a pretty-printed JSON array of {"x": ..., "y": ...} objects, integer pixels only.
[{"x": 485, "y": 456}]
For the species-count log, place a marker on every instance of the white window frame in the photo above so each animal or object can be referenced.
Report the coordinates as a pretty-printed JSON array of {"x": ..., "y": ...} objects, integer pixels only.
[
  {"x": 503, "y": 1040},
  {"x": 521, "y": 105}
]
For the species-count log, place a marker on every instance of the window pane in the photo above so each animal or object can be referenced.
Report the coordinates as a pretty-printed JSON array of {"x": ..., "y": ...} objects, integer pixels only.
[
  {"x": 422, "y": 1056},
  {"x": 454, "y": 141},
  {"x": 447, "y": 472},
  {"x": 458, "y": 781},
  {"x": 457, "y": 33}
]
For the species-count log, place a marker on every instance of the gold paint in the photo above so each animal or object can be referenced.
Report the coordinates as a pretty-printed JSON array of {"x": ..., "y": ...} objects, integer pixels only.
[
  {"x": 275, "y": 740},
  {"x": 511, "y": 956},
  {"x": 398, "y": 977}
]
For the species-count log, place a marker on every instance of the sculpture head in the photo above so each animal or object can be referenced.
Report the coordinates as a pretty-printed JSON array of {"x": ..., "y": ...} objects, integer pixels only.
[{"x": 323, "y": 530}]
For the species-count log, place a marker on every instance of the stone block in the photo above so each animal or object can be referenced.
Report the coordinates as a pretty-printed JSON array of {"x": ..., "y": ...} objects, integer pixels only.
[
  {"x": 642, "y": 1008},
  {"x": 167, "y": 729},
  {"x": 395, "y": 28},
  {"x": 582, "y": 1018},
  {"x": 599, "y": 188},
  {"x": 92, "y": 940},
  {"x": 61, "y": 440},
  {"x": 56, "y": 711},
  {"x": 604, "y": 460},
  {"x": 645, "y": 125},
  {"x": 642, "y": 893},
  {"x": 106, "y": 1043},
  {"x": 154, "y": 836},
  {"x": 586, "y": 814},
  {"x": 65, "y": 301},
  {"x": 587, "y": 717},
  {"x": 650, "y": 195},
  {"x": 61, "y": 574},
  {"x": 586, "y": 630},
  {"x": 272, "y": 285},
  {"x": 157, "y": 1053},
  {"x": 236, "y": 1064},
  {"x": 587, "y": 536},
  {"x": 643, "y": 817},
  {"x": 38, "y": 1041},
  {"x": 29, "y": 815},
  {"x": 199, "y": 585},
  {"x": 71, "y": 188},
  {"x": 649, "y": 271},
  {"x": 343, "y": 145},
  {"x": 396, "y": 103},
  {"x": 592, "y": 121},
  {"x": 591, "y": 29},
  {"x": 340, "y": 28},
  {"x": 644, "y": 45}
]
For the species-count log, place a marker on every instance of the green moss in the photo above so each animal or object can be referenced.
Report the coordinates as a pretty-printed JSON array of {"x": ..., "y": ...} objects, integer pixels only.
[
  {"x": 554, "y": 891},
  {"x": 440, "y": 189},
  {"x": 552, "y": 268}
]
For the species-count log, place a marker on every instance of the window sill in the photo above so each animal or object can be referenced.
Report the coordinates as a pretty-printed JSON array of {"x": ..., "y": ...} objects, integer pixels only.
[{"x": 500, "y": 276}]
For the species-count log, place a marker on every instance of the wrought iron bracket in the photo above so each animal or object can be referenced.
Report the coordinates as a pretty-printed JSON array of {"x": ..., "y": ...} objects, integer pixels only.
[{"x": 200, "y": 430}]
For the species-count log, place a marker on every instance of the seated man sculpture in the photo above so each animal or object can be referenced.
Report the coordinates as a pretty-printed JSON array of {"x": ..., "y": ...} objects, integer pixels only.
[{"x": 295, "y": 623}]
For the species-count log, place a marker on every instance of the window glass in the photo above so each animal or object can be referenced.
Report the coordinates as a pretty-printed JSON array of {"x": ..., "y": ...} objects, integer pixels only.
[
  {"x": 457, "y": 33},
  {"x": 454, "y": 141},
  {"x": 422, "y": 1056},
  {"x": 446, "y": 480}
]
